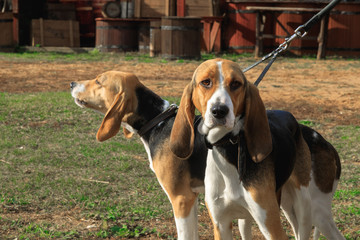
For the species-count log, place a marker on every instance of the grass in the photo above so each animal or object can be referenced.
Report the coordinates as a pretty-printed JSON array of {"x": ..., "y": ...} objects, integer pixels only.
[
  {"x": 95, "y": 55},
  {"x": 51, "y": 163},
  {"x": 58, "y": 182}
]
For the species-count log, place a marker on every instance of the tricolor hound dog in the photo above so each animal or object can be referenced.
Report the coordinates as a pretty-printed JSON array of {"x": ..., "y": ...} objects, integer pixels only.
[
  {"x": 257, "y": 158},
  {"x": 124, "y": 100}
]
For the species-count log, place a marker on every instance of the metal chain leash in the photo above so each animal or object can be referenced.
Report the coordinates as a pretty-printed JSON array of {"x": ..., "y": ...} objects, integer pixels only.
[{"x": 300, "y": 32}]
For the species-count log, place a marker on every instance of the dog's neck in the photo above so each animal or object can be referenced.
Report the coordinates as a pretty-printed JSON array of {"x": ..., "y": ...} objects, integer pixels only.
[
  {"x": 149, "y": 106},
  {"x": 232, "y": 147}
]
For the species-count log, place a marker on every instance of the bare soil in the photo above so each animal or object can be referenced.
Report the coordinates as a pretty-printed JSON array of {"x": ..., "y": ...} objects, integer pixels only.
[{"x": 315, "y": 90}]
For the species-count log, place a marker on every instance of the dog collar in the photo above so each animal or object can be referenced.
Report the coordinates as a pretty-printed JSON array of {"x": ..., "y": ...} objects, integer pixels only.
[
  {"x": 159, "y": 118},
  {"x": 227, "y": 139}
]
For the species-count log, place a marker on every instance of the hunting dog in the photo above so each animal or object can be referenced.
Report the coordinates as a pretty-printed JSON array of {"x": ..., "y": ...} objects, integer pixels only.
[
  {"x": 126, "y": 102},
  {"x": 257, "y": 159}
]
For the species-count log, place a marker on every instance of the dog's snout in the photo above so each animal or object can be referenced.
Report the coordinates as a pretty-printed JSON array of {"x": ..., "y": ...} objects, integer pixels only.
[
  {"x": 72, "y": 85},
  {"x": 219, "y": 111}
]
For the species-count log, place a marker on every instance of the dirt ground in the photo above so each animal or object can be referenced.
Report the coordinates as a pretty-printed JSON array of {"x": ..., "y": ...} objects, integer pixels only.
[
  {"x": 326, "y": 91},
  {"x": 323, "y": 91}
]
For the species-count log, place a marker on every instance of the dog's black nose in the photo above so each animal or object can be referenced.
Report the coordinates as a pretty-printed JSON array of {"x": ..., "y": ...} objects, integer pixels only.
[
  {"x": 72, "y": 85},
  {"x": 219, "y": 111}
]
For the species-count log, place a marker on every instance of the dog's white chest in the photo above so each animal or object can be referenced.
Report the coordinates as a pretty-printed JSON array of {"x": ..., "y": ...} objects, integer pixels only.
[{"x": 223, "y": 187}]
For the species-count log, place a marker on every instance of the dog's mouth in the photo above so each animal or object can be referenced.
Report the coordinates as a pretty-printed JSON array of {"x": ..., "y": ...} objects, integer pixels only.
[
  {"x": 214, "y": 131},
  {"x": 80, "y": 103},
  {"x": 210, "y": 122}
]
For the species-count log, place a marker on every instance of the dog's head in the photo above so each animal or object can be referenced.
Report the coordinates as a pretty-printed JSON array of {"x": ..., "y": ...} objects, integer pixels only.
[
  {"x": 111, "y": 93},
  {"x": 227, "y": 103}
]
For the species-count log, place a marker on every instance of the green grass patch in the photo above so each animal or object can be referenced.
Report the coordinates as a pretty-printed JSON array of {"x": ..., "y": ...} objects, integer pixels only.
[
  {"x": 347, "y": 194},
  {"x": 95, "y": 55},
  {"x": 51, "y": 163},
  {"x": 309, "y": 123},
  {"x": 347, "y": 141}
]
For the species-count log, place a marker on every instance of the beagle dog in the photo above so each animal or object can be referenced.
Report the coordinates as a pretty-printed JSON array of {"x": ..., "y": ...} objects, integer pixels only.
[
  {"x": 257, "y": 159},
  {"x": 126, "y": 102}
]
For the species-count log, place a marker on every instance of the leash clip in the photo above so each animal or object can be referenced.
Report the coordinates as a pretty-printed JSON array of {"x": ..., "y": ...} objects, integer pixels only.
[{"x": 300, "y": 32}]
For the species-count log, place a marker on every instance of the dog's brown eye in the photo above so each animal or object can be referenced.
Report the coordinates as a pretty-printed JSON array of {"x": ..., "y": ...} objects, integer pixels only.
[
  {"x": 206, "y": 83},
  {"x": 97, "y": 82},
  {"x": 235, "y": 85}
]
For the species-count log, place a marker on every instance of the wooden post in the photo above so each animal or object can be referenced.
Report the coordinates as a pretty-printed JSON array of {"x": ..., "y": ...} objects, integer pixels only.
[
  {"x": 258, "y": 42},
  {"x": 206, "y": 34},
  {"x": 137, "y": 12},
  {"x": 155, "y": 38},
  {"x": 211, "y": 9},
  {"x": 322, "y": 38},
  {"x": 71, "y": 33},
  {"x": 42, "y": 37}
]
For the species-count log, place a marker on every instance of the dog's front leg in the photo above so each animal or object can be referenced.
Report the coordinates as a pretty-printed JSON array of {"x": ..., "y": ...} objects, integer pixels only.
[
  {"x": 215, "y": 200},
  {"x": 187, "y": 228},
  {"x": 263, "y": 207},
  {"x": 222, "y": 224}
]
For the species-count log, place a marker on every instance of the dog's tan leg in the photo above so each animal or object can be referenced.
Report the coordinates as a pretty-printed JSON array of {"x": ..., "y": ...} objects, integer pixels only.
[
  {"x": 184, "y": 203},
  {"x": 264, "y": 208},
  {"x": 176, "y": 182}
]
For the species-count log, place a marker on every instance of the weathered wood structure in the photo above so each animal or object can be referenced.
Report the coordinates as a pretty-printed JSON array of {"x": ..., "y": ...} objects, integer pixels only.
[{"x": 226, "y": 25}]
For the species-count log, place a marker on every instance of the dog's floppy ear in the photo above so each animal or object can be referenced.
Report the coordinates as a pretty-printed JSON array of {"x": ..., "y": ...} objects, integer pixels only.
[
  {"x": 257, "y": 130},
  {"x": 112, "y": 121},
  {"x": 182, "y": 134}
]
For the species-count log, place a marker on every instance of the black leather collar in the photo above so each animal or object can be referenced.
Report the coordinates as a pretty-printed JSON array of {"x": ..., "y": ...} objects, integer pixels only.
[
  {"x": 227, "y": 139},
  {"x": 171, "y": 111}
]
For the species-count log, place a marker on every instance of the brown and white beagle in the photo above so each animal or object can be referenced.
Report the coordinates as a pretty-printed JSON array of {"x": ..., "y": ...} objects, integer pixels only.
[
  {"x": 257, "y": 159},
  {"x": 126, "y": 102}
]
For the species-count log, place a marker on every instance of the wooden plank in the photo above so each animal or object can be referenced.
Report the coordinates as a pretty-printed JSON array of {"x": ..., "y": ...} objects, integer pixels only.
[
  {"x": 213, "y": 34},
  {"x": 71, "y": 33},
  {"x": 42, "y": 40},
  {"x": 258, "y": 42},
  {"x": 211, "y": 10},
  {"x": 206, "y": 34},
  {"x": 15, "y": 6},
  {"x": 167, "y": 6},
  {"x": 199, "y": 8},
  {"x": 155, "y": 38},
  {"x": 154, "y": 8},
  {"x": 56, "y": 33},
  {"x": 60, "y": 11},
  {"x": 172, "y": 7},
  {"x": 6, "y": 32},
  {"x": 137, "y": 12}
]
